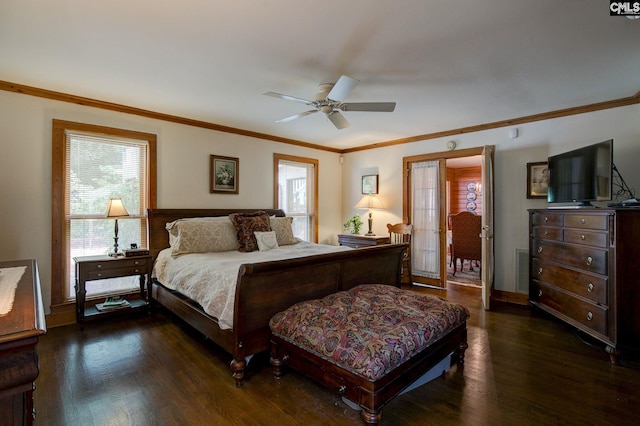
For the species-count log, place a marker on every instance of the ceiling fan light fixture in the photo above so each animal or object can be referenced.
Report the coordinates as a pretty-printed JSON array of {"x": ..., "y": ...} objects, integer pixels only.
[{"x": 330, "y": 101}]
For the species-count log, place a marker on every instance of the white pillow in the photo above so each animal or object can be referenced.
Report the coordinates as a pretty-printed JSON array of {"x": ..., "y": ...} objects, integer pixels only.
[
  {"x": 282, "y": 228},
  {"x": 266, "y": 240}
]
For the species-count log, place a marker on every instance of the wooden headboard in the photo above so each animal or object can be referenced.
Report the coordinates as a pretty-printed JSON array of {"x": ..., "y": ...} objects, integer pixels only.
[{"x": 157, "y": 219}]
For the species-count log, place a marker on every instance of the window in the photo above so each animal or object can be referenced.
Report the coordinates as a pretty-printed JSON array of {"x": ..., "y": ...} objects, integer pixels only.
[
  {"x": 92, "y": 164},
  {"x": 295, "y": 192}
]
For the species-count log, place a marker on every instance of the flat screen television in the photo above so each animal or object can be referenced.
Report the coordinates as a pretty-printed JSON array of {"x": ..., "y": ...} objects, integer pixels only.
[{"x": 582, "y": 175}]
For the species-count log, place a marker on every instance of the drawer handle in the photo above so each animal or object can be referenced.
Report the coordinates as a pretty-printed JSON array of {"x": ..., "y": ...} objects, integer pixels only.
[
  {"x": 99, "y": 274},
  {"x": 539, "y": 271},
  {"x": 539, "y": 293},
  {"x": 589, "y": 316},
  {"x": 589, "y": 260},
  {"x": 582, "y": 221},
  {"x": 136, "y": 263},
  {"x": 582, "y": 237},
  {"x": 539, "y": 249},
  {"x": 590, "y": 288},
  {"x": 546, "y": 219},
  {"x": 99, "y": 266},
  {"x": 137, "y": 270},
  {"x": 545, "y": 233}
]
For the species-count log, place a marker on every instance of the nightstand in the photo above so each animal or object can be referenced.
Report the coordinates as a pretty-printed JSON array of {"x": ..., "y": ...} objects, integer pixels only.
[
  {"x": 358, "y": 241},
  {"x": 90, "y": 268}
]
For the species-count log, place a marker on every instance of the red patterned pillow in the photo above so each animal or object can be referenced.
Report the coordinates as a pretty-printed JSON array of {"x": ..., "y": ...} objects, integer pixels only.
[{"x": 248, "y": 223}]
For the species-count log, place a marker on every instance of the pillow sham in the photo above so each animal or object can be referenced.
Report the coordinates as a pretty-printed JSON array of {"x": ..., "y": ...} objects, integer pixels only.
[
  {"x": 266, "y": 240},
  {"x": 282, "y": 228},
  {"x": 201, "y": 235},
  {"x": 248, "y": 223}
]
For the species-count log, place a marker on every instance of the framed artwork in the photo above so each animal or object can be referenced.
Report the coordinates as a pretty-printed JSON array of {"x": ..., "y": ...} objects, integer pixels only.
[
  {"x": 223, "y": 174},
  {"x": 369, "y": 184},
  {"x": 537, "y": 180}
]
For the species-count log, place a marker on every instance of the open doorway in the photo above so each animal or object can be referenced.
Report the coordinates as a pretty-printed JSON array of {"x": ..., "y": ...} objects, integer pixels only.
[
  {"x": 464, "y": 208},
  {"x": 425, "y": 205}
]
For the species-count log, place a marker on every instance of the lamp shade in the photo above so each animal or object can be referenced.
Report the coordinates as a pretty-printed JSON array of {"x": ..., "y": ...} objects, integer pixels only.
[
  {"x": 116, "y": 208},
  {"x": 370, "y": 202}
]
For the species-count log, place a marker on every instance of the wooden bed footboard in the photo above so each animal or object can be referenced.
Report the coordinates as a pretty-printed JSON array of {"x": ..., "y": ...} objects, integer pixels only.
[{"x": 267, "y": 288}]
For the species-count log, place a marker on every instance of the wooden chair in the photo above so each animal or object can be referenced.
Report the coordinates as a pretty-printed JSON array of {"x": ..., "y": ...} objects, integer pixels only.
[
  {"x": 465, "y": 239},
  {"x": 401, "y": 233}
]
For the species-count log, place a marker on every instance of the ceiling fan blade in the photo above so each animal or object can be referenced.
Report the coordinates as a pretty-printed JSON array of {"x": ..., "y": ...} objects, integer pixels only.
[
  {"x": 342, "y": 88},
  {"x": 338, "y": 120},
  {"x": 369, "y": 106},
  {"x": 289, "y": 98},
  {"x": 293, "y": 117}
]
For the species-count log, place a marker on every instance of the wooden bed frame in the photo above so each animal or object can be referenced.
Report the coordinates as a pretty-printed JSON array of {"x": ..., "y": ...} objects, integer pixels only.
[{"x": 266, "y": 288}]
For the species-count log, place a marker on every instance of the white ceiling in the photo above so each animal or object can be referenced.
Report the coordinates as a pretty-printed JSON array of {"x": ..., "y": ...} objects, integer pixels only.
[{"x": 446, "y": 64}]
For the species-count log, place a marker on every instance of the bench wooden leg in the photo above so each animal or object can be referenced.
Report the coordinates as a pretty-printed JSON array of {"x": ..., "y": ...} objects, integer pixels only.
[
  {"x": 371, "y": 417},
  {"x": 459, "y": 352},
  {"x": 237, "y": 369}
]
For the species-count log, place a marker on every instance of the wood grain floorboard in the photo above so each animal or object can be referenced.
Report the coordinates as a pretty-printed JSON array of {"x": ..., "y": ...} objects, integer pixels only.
[{"x": 521, "y": 369}]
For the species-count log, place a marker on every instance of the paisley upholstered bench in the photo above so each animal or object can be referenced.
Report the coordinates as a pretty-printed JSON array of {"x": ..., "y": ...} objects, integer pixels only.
[{"x": 369, "y": 343}]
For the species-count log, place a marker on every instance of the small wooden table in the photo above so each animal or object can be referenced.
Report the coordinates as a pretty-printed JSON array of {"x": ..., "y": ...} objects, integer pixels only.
[
  {"x": 101, "y": 267},
  {"x": 20, "y": 328},
  {"x": 357, "y": 241}
]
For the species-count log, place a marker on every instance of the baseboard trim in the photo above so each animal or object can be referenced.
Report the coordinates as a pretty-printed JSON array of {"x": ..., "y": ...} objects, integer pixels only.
[
  {"x": 510, "y": 297},
  {"x": 63, "y": 314}
]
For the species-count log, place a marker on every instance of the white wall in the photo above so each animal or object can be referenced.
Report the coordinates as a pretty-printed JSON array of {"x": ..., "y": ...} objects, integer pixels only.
[
  {"x": 536, "y": 142},
  {"x": 183, "y": 167},
  {"x": 183, "y": 170}
]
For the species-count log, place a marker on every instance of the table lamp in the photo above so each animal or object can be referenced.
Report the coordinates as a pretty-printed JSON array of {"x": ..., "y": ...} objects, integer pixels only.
[
  {"x": 116, "y": 209},
  {"x": 369, "y": 202}
]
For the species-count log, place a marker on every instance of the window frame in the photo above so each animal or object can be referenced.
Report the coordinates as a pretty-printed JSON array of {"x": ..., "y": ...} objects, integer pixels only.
[
  {"x": 313, "y": 216},
  {"x": 59, "y": 246}
]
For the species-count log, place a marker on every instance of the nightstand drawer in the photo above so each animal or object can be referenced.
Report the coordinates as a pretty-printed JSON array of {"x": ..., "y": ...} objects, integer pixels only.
[
  {"x": 121, "y": 263},
  {"x": 111, "y": 272}
]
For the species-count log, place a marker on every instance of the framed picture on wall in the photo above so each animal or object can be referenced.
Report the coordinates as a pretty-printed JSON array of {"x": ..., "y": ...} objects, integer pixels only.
[
  {"x": 537, "y": 179},
  {"x": 224, "y": 172},
  {"x": 369, "y": 184}
]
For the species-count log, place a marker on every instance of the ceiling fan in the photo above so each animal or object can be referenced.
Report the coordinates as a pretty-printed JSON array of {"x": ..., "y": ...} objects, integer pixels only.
[{"x": 330, "y": 101}]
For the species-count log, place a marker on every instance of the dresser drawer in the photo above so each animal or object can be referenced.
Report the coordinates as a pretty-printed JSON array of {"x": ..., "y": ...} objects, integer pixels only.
[
  {"x": 585, "y": 258},
  {"x": 547, "y": 233},
  {"x": 586, "y": 221},
  {"x": 587, "y": 238},
  {"x": 591, "y": 287},
  {"x": 587, "y": 314},
  {"x": 548, "y": 219}
]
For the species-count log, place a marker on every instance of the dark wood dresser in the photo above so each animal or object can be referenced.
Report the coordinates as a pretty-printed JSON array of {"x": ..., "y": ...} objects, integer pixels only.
[
  {"x": 583, "y": 270},
  {"x": 21, "y": 324}
]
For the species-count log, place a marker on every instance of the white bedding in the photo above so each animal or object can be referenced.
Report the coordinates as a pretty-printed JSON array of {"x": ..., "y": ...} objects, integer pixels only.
[{"x": 210, "y": 278}]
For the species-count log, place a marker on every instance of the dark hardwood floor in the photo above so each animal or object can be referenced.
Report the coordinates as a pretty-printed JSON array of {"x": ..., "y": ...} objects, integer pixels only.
[{"x": 153, "y": 370}]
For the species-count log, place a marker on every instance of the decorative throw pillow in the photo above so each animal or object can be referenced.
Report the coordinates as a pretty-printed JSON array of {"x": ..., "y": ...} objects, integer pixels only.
[
  {"x": 266, "y": 240},
  {"x": 248, "y": 223},
  {"x": 282, "y": 228},
  {"x": 201, "y": 235}
]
